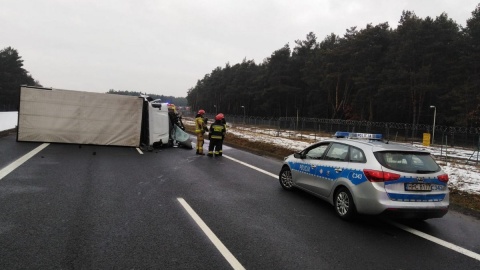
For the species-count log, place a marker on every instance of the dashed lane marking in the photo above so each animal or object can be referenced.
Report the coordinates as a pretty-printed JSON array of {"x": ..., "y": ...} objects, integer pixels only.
[
  {"x": 12, "y": 166},
  {"x": 218, "y": 244},
  {"x": 253, "y": 167}
]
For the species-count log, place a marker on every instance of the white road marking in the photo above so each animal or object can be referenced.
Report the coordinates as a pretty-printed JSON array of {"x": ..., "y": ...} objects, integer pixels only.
[
  {"x": 139, "y": 151},
  {"x": 438, "y": 241},
  {"x": 253, "y": 167},
  {"x": 12, "y": 166},
  {"x": 218, "y": 244}
]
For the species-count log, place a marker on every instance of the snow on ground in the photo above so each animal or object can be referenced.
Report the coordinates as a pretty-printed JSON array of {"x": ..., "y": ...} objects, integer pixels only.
[
  {"x": 463, "y": 177},
  {"x": 8, "y": 120}
]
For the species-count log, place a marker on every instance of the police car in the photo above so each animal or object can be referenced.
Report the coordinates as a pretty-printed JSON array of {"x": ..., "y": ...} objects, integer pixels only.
[{"x": 359, "y": 173}]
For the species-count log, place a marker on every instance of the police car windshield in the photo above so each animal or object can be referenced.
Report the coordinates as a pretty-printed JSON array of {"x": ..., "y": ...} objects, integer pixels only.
[{"x": 411, "y": 162}]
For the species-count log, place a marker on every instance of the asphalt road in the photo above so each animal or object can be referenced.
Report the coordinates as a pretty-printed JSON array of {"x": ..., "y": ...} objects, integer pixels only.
[{"x": 99, "y": 207}]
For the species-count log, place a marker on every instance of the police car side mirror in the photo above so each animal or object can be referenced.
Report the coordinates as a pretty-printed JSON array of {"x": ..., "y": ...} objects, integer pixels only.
[{"x": 298, "y": 155}]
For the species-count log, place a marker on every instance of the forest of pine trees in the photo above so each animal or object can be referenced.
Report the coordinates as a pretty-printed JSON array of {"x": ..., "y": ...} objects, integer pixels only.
[
  {"x": 12, "y": 75},
  {"x": 374, "y": 74}
]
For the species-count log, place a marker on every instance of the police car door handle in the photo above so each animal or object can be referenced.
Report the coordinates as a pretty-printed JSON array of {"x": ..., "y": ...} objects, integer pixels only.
[{"x": 338, "y": 169}]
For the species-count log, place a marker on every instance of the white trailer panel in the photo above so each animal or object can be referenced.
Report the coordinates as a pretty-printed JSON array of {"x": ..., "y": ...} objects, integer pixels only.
[{"x": 66, "y": 116}]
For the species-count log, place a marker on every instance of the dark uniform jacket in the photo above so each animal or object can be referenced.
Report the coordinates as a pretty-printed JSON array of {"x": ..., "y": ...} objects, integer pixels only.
[{"x": 217, "y": 130}]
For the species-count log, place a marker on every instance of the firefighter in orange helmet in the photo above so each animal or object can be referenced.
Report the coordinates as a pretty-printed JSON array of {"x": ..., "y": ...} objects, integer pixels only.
[
  {"x": 216, "y": 136},
  {"x": 200, "y": 129}
]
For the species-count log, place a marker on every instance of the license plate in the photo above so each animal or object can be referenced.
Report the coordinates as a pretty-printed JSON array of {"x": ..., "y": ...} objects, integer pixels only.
[{"x": 418, "y": 187}]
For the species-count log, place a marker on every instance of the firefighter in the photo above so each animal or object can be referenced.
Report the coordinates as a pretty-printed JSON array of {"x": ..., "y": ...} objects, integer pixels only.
[
  {"x": 175, "y": 116},
  {"x": 200, "y": 129},
  {"x": 216, "y": 136}
]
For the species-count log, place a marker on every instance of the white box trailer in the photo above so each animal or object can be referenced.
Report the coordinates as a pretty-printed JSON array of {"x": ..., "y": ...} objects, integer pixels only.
[{"x": 67, "y": 116}]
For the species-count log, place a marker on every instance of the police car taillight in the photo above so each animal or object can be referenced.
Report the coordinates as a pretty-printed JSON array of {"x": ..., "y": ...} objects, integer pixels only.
[
  {"x": 443, "y": 178},
  {"x": 380, "y": 176}
]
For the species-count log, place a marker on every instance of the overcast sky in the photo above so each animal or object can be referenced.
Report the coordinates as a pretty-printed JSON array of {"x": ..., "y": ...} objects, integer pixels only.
[{"x": 164, "y": 47}]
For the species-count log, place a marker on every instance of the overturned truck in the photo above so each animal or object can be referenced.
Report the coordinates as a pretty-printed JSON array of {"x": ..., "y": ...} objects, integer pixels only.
[
  {"x": 162, "y": 125},
  {"x": 77, "y": 117}
]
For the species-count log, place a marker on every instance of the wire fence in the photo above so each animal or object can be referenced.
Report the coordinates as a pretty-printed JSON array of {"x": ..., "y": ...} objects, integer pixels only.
[{"x": 466, "y": 137}]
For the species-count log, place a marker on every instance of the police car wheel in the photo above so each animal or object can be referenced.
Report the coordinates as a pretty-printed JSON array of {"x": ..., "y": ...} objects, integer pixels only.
[
  {"x": 344, "y": 206},
  {"x": 285, "y": 178}
]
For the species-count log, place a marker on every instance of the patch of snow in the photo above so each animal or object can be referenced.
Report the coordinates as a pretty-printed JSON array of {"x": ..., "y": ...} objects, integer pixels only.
[{"x": 8, "y": 120}]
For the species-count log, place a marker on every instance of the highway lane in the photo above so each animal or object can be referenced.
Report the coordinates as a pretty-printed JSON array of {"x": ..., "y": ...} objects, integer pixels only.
[
  {"x": 76, "y": 206},
  {"x": 10, "y": 151}
]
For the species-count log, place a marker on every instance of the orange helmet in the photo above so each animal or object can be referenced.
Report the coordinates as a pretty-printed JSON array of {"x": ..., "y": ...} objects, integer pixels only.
[
  {"x": 201, "y": 112},
  {"x": 219, "y": 116}
]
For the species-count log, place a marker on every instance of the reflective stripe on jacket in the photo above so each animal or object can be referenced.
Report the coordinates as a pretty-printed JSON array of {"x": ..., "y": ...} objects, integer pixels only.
[
  {"x": 217, "y": 130},
  {"x": 199, "y": 125}
]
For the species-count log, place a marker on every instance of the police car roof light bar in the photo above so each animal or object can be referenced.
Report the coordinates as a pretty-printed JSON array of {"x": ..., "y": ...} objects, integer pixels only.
[
  {"x": 341, "y": 134},
  {"x": 352, "y": 135}
]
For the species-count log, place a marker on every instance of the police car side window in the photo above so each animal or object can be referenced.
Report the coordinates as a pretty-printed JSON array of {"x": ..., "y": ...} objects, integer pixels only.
[
  {"x": 356, "y": 155},
  {"x": 317, "y": 151},
  {"x": 337, "y": 152}
]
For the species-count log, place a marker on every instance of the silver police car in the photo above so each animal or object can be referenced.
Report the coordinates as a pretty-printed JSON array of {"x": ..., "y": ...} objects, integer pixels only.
[{"x": 359, "y": 173}]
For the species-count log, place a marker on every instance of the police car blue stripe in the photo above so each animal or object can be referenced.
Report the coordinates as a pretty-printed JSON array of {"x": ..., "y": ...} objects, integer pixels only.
[
  {"x": 416, "y": 197},
  {"x": 328, "y": 172},
  {"x": 412, "y": 179},
  {"x": 357, "y": 177}
]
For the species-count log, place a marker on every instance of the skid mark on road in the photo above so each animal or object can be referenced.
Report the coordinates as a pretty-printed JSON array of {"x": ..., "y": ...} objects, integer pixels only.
[{"x": 11, "y": 167}]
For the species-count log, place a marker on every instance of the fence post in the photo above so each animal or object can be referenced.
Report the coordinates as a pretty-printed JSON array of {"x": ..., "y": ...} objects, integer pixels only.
[
  {"x": 278, "y": 127},
  {"x": 446, "y": 149}
]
